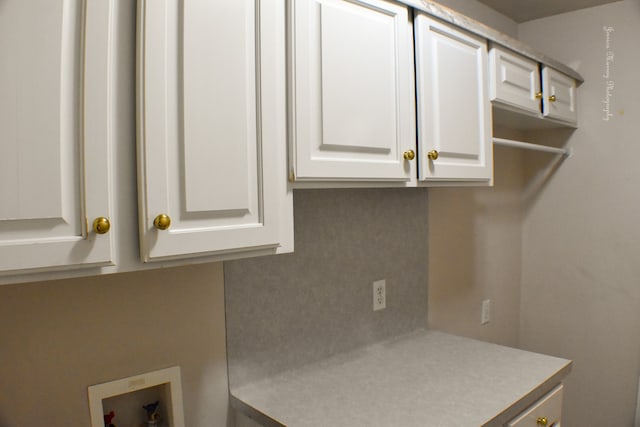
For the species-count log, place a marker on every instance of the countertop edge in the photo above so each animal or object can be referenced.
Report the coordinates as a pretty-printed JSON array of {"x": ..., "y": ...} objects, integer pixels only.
[
  {"x": 251, "y": 412},
  {"x": 530, "y": 398}
]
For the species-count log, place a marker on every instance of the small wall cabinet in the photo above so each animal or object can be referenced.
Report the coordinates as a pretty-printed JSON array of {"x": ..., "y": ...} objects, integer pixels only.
[
  {"x": 559, "y": 96},
  {"x": 454, "y": 116},
  {"x": 515, "y": 81},
  {"x": 351, "y": 91},
  {"x": 519, "y": 85},
  {"x": 55, "y": 116},
  {"x": 211, "y": 125}
]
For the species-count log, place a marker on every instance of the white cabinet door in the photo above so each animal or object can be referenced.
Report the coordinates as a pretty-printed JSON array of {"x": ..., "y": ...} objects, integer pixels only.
[
  {"x": 454, "y": 116},
  {"x": 211, "y": 125},
  {"x": 351, "y": 90},
  {"x": 55, "y": 117},
  {"x": 514, "y": 81},
  {"x": 559, "y": 100}
]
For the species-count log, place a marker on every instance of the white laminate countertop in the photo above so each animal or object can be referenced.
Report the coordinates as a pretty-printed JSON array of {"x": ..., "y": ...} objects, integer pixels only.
[{"x": 425, "y": 379}]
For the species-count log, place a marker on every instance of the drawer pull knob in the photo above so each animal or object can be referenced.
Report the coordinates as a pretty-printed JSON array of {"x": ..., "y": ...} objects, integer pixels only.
[
  {"x": 538, "y": 95},
  {"x": 162, "y": 222},
  {"x": 432, "y": 155},
  {"x": 409, "y": 155},
  {"x": 542, "y": 421},
  {"x": 552, "y": 98}
]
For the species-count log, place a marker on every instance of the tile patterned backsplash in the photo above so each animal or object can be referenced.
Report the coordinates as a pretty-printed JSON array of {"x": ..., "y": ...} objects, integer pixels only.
[{"x": 288, "y": 310}]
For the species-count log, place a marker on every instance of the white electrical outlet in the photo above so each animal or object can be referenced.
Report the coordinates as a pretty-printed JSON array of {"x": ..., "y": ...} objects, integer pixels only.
[
  {"x": 379, "y": 295},
  {"x": 486, "y": 312}
]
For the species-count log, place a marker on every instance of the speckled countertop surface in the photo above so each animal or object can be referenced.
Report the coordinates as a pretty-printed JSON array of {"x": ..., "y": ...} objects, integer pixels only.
[
  {"x": 425, "y": 378},
  {"x": 444, "y": 13}
]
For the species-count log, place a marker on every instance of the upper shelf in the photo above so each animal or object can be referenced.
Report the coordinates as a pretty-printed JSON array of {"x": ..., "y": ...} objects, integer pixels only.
[{"x": 456, "y": 18}]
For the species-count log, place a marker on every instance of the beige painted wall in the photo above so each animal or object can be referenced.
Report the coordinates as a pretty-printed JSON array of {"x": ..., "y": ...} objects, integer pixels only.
[
  {"x": 581, "y": 252},
  {"x": 475, "y": 237},
  {"x": 474, "y": 254},
  {"x": 59, "y": 337}
]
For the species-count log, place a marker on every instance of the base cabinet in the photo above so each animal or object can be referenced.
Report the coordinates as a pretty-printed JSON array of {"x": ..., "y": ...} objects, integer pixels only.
[{"x": 546, "y": 412}]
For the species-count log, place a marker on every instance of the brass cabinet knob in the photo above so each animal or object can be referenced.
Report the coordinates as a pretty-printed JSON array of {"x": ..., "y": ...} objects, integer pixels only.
[
  {"x": 552, "y": 98},
  {"x": 432, "y": 155},
  {"x": 162, "y": 222},
  {"x": 101, "y": 225},
  {"x": 409, "y": 155},
  {"x": 542, "y": 421},
  {"x": 538, "y": 95}
]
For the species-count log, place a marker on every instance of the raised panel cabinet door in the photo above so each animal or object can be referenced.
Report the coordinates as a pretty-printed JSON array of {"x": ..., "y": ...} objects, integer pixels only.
[
  {"x": 454, "y": 116},
  {"x": 211, "y": 126},
  {"x": 514, "y": 81},
  {"x": 55, "y": 116},
  {"x": 351, "y": 90},
  {"x": 559, "y": 99}
]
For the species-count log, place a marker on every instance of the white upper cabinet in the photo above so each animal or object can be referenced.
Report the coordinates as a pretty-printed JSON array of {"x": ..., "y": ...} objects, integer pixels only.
[
  {"x": 514, "y": 81},
  {"x": 559, "y": 96},
  {"x": 518, "y": 86},
  {"x": 454, "y": 116},
  {"x": 212, "y": 129},
  {"x": 55, "y": 118},
  {"x": 351, "y": 91}
]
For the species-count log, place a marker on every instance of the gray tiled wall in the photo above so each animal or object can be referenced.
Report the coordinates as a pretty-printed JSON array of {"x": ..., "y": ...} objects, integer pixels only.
[{"x": 288, "y": 310}]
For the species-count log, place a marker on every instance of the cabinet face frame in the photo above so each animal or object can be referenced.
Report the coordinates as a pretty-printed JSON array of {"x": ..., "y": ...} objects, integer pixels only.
[
  {"x": 52, "y": 230},
  {"x": 220, "y": 102},
  {"x": 452, "y": 97},
  {"x": 350, "y": 123}
]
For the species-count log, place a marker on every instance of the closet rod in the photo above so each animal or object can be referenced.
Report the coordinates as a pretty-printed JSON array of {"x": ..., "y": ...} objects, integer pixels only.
[{"x": 530, "y": 146}]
